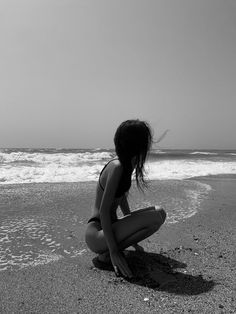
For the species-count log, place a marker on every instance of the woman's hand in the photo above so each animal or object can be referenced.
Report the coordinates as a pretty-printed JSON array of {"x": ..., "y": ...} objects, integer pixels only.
[
  {"x": 120, "y": 265},
  {"x": 138, "y": 248}
]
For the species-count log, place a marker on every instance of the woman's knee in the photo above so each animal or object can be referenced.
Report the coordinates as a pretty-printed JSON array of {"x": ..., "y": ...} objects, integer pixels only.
[
  {"x": 161, "y": 214},
  {"x": 158, "y": 220},
  {"x": 154, "y": 218}
]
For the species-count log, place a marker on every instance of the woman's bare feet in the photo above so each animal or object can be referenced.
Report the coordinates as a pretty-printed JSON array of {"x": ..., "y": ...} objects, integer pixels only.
[{"x": 104, "y": 258}]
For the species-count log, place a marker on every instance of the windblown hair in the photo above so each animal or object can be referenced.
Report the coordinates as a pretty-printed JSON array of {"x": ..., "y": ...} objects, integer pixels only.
[{"x": 133, "y": 139}]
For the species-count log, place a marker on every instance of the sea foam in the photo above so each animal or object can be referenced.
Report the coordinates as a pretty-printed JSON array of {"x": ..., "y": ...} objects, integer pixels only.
[{"x": 34, "y": 166}]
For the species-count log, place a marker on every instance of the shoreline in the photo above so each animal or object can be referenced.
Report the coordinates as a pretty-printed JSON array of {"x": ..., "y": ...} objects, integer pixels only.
[
  {"x": 182, "y": 198},
  {"x": 198, "y": 251}
]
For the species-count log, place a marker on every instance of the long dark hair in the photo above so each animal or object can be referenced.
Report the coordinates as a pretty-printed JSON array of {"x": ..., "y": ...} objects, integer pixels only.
[{"x": 133, "y": 139}]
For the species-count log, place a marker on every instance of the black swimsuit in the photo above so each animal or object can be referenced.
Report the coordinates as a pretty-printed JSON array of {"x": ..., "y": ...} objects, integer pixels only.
[{"x": 123, "y": 187}]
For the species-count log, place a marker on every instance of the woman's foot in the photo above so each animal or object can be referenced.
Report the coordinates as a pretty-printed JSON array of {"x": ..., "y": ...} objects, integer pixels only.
[
  {"x": 104, "y": 258},
  {"x": 103, "y": 261}
]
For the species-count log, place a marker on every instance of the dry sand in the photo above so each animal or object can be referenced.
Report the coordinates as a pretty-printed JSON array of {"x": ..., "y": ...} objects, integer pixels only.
[{"x": 198, "y": 253}]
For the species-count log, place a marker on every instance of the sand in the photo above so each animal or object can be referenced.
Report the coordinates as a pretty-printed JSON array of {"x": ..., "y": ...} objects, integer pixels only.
[{"x": 187, "y": 267}]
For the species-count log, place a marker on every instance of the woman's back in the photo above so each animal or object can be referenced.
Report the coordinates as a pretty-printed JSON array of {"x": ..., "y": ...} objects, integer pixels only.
[{"x": 101, "y": 185}]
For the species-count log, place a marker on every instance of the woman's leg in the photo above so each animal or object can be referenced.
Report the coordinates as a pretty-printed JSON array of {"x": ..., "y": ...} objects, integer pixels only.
[
  {"x": 146, "y": 209},
  {"x": 138, "y": 226},
  {"x": 128, "y": 230}
]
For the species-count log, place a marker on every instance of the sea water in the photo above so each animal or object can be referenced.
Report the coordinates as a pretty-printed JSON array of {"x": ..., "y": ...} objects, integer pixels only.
[{"x": 75, "y": 165}]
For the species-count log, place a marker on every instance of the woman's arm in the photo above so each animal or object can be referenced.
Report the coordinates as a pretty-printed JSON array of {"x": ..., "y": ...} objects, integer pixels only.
[
  {"x": 112, "y": 181},
  {"x": 124, "y": 206}
]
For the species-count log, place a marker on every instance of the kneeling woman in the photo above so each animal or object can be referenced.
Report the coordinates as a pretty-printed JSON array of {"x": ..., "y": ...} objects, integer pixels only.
[{"x": 105, "y": 233}]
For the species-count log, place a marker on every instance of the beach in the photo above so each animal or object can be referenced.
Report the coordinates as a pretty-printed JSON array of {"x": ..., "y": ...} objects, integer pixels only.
[
  {"x": 99, "y": 99},
  {"x": 188, "y": 266}
]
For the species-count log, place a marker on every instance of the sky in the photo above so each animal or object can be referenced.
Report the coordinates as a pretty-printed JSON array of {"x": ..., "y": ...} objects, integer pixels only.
[{"x": 72, "y": 70}]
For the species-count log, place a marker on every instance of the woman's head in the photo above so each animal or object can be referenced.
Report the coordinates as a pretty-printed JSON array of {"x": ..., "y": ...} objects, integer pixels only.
[{"x": 133, "y": 139}]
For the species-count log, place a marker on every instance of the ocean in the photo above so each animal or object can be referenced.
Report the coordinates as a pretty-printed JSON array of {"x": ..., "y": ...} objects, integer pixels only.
[{"x": 19, "y": 166}]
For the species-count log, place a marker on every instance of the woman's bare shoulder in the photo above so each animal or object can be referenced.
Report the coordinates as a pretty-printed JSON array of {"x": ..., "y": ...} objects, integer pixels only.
[
  {"x": 116, "y": 162},
  {"x": 116, "y": 166}
]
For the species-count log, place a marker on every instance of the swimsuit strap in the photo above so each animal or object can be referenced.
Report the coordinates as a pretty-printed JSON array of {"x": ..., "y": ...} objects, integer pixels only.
[{"x": 102, "y": 172}]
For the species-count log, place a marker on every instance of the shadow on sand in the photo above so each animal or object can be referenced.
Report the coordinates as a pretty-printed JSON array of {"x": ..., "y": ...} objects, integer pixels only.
[{"x": 159, "y": 272}]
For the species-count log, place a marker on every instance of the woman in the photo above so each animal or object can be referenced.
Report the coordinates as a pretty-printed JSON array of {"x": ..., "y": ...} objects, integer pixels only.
[{"x": 107, "y": 235}]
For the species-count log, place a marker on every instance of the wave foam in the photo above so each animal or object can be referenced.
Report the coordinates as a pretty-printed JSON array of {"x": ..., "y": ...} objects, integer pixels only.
[
  {"x": 52, "y": 173},
  {"x": 203, "y": 153},
  {"x": 158, "y": 170},
  {"x": 57, "y": 158},
  {"x": 184, "y": 169}
]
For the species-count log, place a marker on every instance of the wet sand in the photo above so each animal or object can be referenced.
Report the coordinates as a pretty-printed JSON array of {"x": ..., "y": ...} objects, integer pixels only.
[{"x": 188, "y": 267}]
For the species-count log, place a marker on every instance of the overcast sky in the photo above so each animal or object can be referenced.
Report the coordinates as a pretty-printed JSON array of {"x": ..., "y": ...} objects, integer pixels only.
[{"x": 72, "y": 70}]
